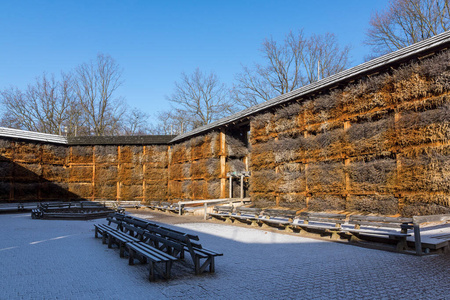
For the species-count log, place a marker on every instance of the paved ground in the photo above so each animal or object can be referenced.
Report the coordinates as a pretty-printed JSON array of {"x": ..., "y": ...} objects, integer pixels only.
[{"x": 48, "y": 259}]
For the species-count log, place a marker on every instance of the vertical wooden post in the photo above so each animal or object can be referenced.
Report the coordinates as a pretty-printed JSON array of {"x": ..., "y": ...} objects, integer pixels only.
[
  {"x": 231, "y": 186},
  {"x": 13, "y": 173},
  {"x": 93, "y": 173},
  {"x": 305, "y": 161},
  {"x": 223, "y": 169},
  {"x": 397, "y": 162},
  {"x": 347, "y": 125},
  {"x": 118, "y": 174},
  {"x": 242, "y": 186},
  {"x": 169, "y": 162},
  {"x": 143, "y": 171}
]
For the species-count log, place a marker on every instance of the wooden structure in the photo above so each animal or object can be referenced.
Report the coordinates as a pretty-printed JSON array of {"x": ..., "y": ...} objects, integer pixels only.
[{"x": 371, "y": 139}]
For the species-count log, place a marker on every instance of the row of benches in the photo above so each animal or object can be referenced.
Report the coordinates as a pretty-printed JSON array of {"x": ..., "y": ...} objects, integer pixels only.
[
  {"x": 337, "y": 226},
  {"x": 165, "y": 206},
  {"x": 158, "y": 245}
]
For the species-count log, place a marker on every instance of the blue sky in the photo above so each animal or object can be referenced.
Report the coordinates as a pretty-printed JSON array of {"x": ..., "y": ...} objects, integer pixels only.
[{"x": 154, "y": 41}]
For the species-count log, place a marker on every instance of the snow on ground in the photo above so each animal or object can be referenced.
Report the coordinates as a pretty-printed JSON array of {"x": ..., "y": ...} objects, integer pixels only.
[{"x": 49, "y": 259}]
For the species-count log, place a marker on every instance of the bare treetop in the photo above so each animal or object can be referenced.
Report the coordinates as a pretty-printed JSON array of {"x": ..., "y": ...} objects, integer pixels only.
[
  {"x": 289, "y": 66},
  {"x": 406, "y": 22}
]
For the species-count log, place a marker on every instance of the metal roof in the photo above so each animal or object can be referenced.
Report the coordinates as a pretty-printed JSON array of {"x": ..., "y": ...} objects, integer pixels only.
[
  {"x": 121, "y": 140},
  {"x": 421, "y": 48},
  {"x": 33, "y": 136}
]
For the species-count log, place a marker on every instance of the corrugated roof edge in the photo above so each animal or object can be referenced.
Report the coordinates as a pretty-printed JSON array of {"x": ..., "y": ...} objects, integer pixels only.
[
  {"x": 31, "y": 135},
  {"x": 121, "y": 140},
  {"x": 420, "y": 48}
]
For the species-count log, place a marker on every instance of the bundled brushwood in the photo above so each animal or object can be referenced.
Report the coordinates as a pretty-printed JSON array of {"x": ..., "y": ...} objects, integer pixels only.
[
  {"x": 6, "y": 170},
  {"x": 155, "y": 190},
  {"x": 175, "y": 189},
  {"x": 156, "y": 156},
  {"x": 214, "y": 189},
  {"x": 297, "y": 201},
  {"x": 105, "y": 191},
  {"x": 425, "y": 204},
  {"x": 54, "y": 154},
  {"x": 263, "y": 200},
  {"x": 261, "y": 128},
  {"x": 186, "y": 170},
  {"x": 365, "y": 95},
  {"x": 408, "y": 84},
  {"x": 376, "y": 175},
  {"x": 425, "y": 170},
  {"x": 55, "y": 191},
  {"x": 81, "y": 174},
  {"x": 81, "y": 154},
  {"x": 431, "y": 126},
  {"x": 287, "y": 118},
  {"x": 27, "y": 172},
  {"x": 370, "y": 137},
  {"x": 186, "y": 188},
  {"x": 27, "y": 152},
  {"x": 131, "y": 192},
  {"x": 176, "y": 172},
  {"x": 325, "y": 107},
  {"x": 156, "y": 174},
  {"x": 199, "y": 169},
  {"x": 178, "y": 153},
  {"x": 5, "y": 190},
  {"x": 326, "y": 203},
  {"x": 264, "y": 181},
  {"x": 235, "y": 165},
  {"x": 292, "y": 178},
  {"x": 81, "y": 190},
  {"x": 424, "y": 104},
  {"x": 288, "y": 149},
  {"x": 262, "y": 156},
  {"x": 325, "y": 177},
  {"x": 377, "y": 204},
  {"x": 199, "y": 189},
  {"x": 106, "y": 154},
  {"x": 131, "y": 154},
  {"x": 6, "y": 150},
  {"x": 130, "y": 174},
  {"x": 213, "y": 140},
  {"x": 213, "y": 167},
  {"x": 107, "y": 174},
  {"x": 55, "y": 173},
  {"x": 437, "y": 70},
  {"x": 235, "y": 147},
  {"x": 198, "y": 147},
  {"x": 26, "y": 191},
  {"x": 324, "y": 145}
]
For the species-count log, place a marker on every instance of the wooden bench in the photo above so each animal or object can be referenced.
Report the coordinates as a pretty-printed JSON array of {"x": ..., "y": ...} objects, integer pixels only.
[
  {"x": 153, "y": 205},
  {"x": 196, "y": 251},
  {"x": 380, "y": 227},
  {"x": 156, "y": 257},
  {"x": 324, "y": 223},
  {"x": 222, "y": 212},
  {"x": 103, "y": 229},
  {"x": 277, "y": 218},
  {"x": 119, "y": 238},
  {"x": 249, "y": 215},
  {"x": 36, "y": 213},
  {"x": 163, "y": 206}
]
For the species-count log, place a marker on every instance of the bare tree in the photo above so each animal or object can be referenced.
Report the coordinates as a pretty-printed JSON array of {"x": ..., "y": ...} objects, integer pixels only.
[
  {"x": 96, "y": 85},
  {"x": 198, "y": 100},
  {"x": 46, "y": 106},
  {"x": 289, "y": 66},
  {"x": 405, "y": 22},
  {"x": 135, "y": 122}
]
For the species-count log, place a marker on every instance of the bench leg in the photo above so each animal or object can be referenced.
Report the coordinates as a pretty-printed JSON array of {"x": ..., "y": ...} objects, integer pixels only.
[
  {"x": 151, "y": 271},
  {"x": 130, "y": 257},
  {"x": 401, "y": 244},
  {"x": 95, "y": 233}
]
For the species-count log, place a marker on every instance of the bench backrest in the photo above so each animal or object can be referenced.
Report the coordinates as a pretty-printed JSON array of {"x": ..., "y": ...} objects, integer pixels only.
[
  {"x": 153, "y": 239},
  {"x": 390, "y": 222},
  {"x": 336, "y": 219},
  {"x": 133, "y": 231},
  {"x": 223, "y": 209},
  {"x": 279, "y": 213},
  {"x": 248, "y": 210}
]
